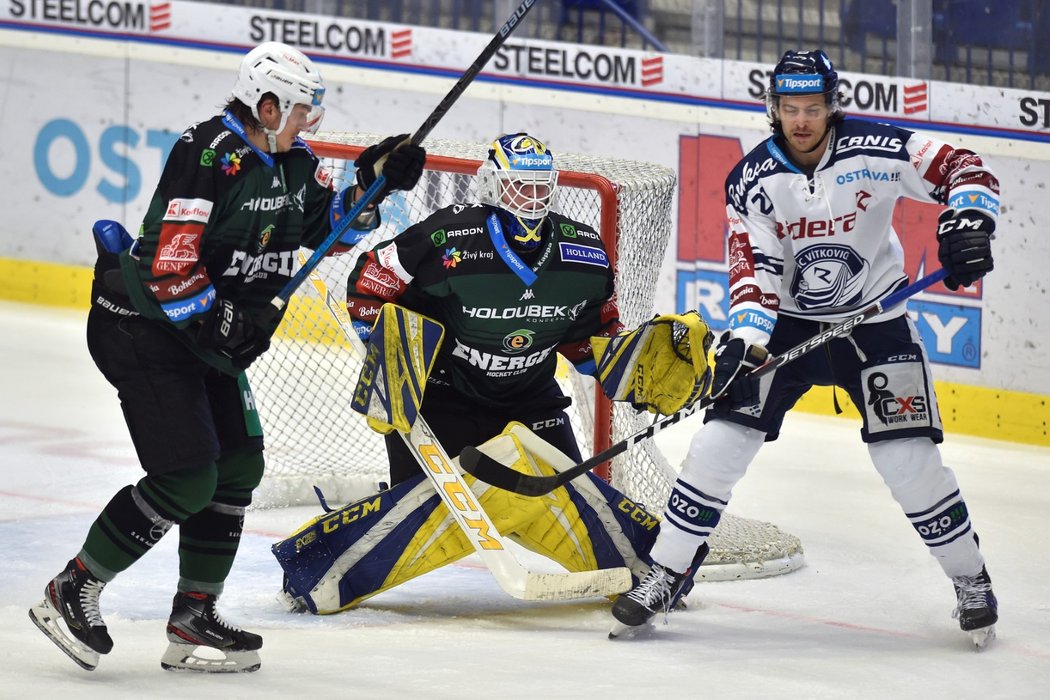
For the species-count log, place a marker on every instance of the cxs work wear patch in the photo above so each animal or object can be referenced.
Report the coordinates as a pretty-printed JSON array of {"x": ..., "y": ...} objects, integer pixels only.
[{"x": 897, "y": 394}]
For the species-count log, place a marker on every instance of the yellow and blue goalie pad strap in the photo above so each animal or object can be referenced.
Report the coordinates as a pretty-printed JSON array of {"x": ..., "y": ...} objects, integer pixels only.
[
  {"x": 616, "y": 359},
  {"x": 399, "y": 357}
]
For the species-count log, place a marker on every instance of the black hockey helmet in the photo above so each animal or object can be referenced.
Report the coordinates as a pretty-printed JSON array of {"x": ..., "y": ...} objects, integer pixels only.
[{"x": 803, "y": 73}]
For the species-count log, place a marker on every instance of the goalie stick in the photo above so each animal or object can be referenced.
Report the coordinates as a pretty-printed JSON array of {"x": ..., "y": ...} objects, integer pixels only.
[
  {"x": 516, "y": 17},
  {"x": 492, "y": 547},
  {"x": 494, "y": 472}
]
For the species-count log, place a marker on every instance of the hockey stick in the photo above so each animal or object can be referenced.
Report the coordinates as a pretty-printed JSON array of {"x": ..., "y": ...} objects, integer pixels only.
[
  {"x": 281, "y": 300},
  {"x": 493, "y": 472},
  {"x": 492, "y": 547}
]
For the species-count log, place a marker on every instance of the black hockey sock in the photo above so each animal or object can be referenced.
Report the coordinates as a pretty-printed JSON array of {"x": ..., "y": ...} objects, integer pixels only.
[
  {"x": 138, "y": 516},
  {"x": 208, "y": 540}
]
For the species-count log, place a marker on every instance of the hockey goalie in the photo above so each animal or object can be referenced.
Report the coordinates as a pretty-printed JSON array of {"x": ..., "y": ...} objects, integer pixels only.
[
  {"x": 344, "y": 556},
  {"x": 473, "y": 304}
]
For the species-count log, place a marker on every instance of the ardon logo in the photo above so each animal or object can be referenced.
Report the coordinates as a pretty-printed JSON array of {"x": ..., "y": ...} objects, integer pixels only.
[
  {"x": 518, "y": 341},
  {"x": 439, "y": 238}
]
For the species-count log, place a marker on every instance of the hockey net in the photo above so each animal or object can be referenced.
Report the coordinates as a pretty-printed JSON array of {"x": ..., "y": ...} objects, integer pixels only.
[{"x": 303, "y": 384}]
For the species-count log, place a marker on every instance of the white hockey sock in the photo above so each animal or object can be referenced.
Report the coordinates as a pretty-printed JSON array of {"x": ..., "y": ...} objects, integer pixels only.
[
  {"x": 929, "y": 494},
  {"x": 718, "y": 457}
]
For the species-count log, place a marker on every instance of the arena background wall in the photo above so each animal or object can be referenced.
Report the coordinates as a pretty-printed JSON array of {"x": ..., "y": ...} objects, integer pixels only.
[{"x": 96, "y": 93}]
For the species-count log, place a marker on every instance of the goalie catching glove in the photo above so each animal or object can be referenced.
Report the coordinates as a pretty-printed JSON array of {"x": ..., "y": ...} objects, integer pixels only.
[
  {"x": 398, "y": 359},
  {"x": 660, "y": 366}
]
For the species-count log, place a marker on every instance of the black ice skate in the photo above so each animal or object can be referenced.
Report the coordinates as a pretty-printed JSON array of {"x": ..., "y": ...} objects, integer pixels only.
[
  {"x": 977, "y": 609},
  {"x": 200, "y": 640},
  {"x": 657, "y": 591},
  {"x": 661, "y": 589},
  {"x": 72, "y": 598}
]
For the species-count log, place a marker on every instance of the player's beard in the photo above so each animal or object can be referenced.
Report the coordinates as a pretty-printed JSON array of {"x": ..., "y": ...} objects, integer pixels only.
[{"x": 820, "y": 141}]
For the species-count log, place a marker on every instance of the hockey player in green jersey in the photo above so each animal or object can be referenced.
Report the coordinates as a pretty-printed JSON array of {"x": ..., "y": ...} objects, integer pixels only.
[
  {"x": 176, "y": 317},
  {"x": 514, "y": 284}
]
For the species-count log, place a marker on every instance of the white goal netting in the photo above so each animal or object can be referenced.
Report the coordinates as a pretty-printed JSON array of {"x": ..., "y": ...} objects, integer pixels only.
[{"x": 303, "y": 383}]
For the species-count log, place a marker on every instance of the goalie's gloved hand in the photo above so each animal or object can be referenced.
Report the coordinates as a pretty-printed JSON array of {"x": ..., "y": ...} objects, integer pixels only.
[
  {"x": 734, "y": 359},
  {"x": 965, "y": 249},
  {"x": 400, "y": 162},
  {"x": 230, "y": 332}
]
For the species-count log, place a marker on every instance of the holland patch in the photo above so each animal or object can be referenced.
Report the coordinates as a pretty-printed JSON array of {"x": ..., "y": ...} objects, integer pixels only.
[{"x": 573, "y": 252}]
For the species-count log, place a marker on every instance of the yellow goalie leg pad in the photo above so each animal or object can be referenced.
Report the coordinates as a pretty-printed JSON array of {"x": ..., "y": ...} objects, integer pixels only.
[
  {"x": 392, "y": 553},
  {"x": 551, "y": 525},
  {"x": 339, "y": 559},
  {"x": 585, "y": 525},
  {"x": 398, "y": 359}
]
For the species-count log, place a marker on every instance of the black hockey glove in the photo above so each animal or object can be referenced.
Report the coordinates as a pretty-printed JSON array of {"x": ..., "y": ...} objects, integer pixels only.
[
  {"x": 230, "y": 332},
  {"x": 401, "y": 165},
  {"x": 733, "y": 360},
  {"x": 965, "y": 249}
]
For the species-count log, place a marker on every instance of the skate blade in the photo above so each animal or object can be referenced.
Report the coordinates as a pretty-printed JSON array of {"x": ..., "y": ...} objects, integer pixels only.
[
  {"x": 983, "y": 637},
  {"x": 190, "y": 657},
  {"x": 49, "y": 621},
  {"x": 621, "y": 631}
]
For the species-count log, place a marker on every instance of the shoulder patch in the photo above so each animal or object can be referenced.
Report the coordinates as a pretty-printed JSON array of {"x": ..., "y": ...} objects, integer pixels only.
[{"x": 572, "y": 252}]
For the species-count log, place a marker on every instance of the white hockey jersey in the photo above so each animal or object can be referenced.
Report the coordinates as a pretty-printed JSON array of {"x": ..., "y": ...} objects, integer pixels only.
[{"x": 822, "y": 246}]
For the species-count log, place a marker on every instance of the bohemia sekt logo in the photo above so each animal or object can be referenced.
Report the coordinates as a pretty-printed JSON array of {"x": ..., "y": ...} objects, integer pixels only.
[{"x": 123, "y": 16}]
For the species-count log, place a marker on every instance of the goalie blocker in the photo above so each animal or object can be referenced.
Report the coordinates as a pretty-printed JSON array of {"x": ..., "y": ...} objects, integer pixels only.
[{"x": 338, "y": 559}]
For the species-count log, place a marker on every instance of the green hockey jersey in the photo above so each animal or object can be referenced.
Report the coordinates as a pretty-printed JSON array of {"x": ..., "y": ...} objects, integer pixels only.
[{"x": 506, "y": 316}]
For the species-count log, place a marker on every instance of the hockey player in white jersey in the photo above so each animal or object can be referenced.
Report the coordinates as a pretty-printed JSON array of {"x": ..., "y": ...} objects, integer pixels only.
[{"x": 810, "y": 244}]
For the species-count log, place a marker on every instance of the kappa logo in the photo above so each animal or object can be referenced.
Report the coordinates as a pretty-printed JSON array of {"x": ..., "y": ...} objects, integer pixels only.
[{"x": 527, "y": 295}]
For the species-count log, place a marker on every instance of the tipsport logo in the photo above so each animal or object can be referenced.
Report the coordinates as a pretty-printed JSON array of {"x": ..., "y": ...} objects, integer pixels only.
[{"x": 799, "y": 83}]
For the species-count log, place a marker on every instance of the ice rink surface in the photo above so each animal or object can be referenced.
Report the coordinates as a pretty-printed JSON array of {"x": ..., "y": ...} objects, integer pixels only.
[{"x": 868, "y": 616}]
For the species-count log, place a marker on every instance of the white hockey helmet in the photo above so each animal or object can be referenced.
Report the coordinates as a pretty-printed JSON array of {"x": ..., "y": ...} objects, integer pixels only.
[
  {"x": 519, "y": 177},
  {"x": 273, "y": 67}
]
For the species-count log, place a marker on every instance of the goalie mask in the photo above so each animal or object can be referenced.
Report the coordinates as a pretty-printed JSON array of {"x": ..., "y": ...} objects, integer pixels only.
[
  {"x": 519, "y": 177},
  {"x": 285, "y": 72},
  {"x": 803, "y": 73}
]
